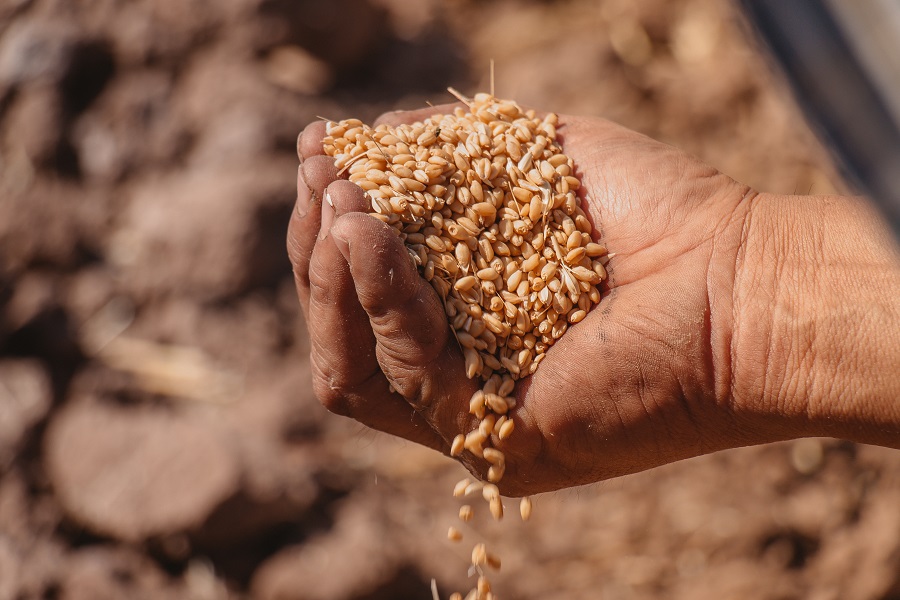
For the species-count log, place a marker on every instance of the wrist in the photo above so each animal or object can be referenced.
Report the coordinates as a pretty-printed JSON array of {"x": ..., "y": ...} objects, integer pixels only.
[{"x": 816, "y": 333}]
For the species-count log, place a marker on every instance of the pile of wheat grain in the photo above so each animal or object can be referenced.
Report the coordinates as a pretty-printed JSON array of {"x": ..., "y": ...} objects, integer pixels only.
[{"x": 485, "y": 201}]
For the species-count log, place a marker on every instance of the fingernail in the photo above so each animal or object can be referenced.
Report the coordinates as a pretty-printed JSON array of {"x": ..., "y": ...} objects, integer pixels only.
[
  {"x": 303, "y": 195},
  {"x": 299, "y": 153},
  {"x": 327, "y": 216}
]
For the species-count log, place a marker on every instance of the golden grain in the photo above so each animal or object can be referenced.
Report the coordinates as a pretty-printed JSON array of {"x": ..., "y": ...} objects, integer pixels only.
[
  {"x": 461, "y": 486},
  {"x": 479, "y": 555},
  {"x": 466, "y": 513},
  {"x": 507, "y": 385},
  {"x": 474, "y": 442},
  {"x": 484, "y": 200},
  {"x": 525, "y": 508},
  {"x": 474, "y": 487},
  {"x": 486, "y": 427},
  {"x": 489, "y": 491},
  {"x": 493, "y": 456},
  {"x": 483, "y": 586},
  {"x": 495, "y": 402},
  {"x": 496, "y": 506},
  {"x": 456, "y": 448}
]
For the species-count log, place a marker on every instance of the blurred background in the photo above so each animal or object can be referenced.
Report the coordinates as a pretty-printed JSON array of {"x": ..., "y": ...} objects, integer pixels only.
[{"x": 158, "y": 435}]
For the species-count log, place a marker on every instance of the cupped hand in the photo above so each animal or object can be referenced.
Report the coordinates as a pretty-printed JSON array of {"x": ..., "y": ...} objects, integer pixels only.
[{"x": 642, "y": 381}]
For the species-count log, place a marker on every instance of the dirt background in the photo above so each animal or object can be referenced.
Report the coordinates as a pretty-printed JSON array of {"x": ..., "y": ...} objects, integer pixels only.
[{"x": 158, "y": 436}]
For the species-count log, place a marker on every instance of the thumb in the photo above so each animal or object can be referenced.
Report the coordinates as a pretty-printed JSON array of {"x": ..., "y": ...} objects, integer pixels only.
[{"x": 414, "y": 344}]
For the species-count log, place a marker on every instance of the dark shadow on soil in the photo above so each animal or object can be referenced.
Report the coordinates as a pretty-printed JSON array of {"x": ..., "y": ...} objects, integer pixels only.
[{"x": 242, "y": 534}]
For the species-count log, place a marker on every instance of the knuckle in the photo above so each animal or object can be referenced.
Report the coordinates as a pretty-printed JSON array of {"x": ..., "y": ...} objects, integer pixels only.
[
  {"x": 331, "y": 396},
  {"x": 417, "y": 386},
  {"x": 387, "y": 296},
  {"x": 321, "y": 282},
  {"x": 333, "y": 400},
  {"x": 411, "y": 335},
  {"x": 297, "y": 252}
]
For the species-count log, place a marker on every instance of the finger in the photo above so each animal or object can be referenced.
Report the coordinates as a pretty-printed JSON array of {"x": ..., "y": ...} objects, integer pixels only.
[
  {"x": 347, "y": 377},
  {"x": 414, "y": 344},
  {"x": 309, "y": 142},
  {"x": 399, "y": 117},
  {"x": 313, "y": 177}
]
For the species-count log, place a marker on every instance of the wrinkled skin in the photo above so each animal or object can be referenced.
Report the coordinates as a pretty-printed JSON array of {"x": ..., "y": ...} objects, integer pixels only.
[{"x": 649, "y": 377}]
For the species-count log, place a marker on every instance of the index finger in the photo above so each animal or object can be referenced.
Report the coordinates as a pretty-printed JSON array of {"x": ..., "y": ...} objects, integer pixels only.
[{"x": 309, "y": 142}]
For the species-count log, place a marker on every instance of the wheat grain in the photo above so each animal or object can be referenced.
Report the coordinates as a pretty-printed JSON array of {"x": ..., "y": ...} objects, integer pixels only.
[
  {"x": 456, "y": 448},
  {"x": 454, "y": 535},
  {"x": 461, "y": 487},
  {"x": 525, "y": 508},
  {"x": 496, "y": 506},
  {"x": 485, "y": 201}
]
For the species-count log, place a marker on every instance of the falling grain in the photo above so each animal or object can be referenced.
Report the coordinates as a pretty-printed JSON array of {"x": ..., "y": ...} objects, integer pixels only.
[
  {"x": 466, "y": 513},
  {"x": 525, "y": 508},
  {"x": 485, "y": 201}
]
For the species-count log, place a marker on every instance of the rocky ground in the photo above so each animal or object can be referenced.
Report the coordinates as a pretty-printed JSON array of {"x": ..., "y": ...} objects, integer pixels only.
[{"x": 158, "y": 436}]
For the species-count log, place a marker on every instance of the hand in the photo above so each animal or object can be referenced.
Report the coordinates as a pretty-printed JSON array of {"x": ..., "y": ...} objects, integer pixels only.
[{"x": 646, "y": 379}]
